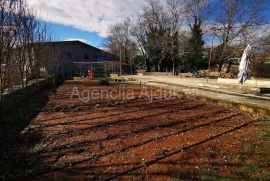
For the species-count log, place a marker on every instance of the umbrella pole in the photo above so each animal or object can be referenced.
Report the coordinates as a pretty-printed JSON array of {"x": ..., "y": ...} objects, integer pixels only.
[{"x": 241, "y": 87}]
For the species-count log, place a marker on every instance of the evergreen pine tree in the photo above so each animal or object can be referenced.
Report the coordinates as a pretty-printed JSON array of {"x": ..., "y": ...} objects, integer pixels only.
[{"x": 194, "y": 59}]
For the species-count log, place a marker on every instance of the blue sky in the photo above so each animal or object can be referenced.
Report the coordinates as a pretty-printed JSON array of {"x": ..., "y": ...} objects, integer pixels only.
[
  {"x": 86, "y": 20},
  {"x": 89, "y": 20},
  {"x": 64, "y": 32}
]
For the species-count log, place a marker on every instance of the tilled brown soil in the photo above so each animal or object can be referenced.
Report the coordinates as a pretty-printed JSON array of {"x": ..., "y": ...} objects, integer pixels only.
[{"x": 160, "y": 137}]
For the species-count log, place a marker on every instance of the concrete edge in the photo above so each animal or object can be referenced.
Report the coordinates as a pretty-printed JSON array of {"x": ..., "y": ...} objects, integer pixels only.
[
  {"x": 241, "y": 106},
  {"x": 218, "y": 91}
]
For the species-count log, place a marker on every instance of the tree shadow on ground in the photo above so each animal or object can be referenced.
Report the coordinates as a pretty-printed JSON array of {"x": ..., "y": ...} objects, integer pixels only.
[
  {"x": 17, "y": 138},
  {"x": 174, "y": 173}
]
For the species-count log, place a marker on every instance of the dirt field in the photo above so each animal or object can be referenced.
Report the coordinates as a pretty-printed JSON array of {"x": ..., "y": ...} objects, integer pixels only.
[{"x": 126, "y": 132}]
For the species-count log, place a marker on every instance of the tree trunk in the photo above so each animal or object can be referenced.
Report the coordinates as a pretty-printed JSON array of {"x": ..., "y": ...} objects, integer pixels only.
[{"x": 173, "y": 72}]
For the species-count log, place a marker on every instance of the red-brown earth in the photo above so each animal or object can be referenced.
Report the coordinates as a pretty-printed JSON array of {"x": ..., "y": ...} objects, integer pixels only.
[{"x": 139, "y": 134}]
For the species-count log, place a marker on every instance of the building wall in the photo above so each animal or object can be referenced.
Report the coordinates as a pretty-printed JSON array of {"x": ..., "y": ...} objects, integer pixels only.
[{"x": 75, "y": 51}]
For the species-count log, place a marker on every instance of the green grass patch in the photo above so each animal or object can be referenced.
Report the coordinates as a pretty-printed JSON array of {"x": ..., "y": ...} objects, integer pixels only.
[
  {"x": 256, "y": 157},
  {"x": 213, "y": 176}
]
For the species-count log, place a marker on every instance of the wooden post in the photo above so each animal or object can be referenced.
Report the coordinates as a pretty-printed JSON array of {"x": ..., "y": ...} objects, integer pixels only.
[
  {"x": 210, "y": 57},
  {"x": 211, "y": 51},
  {"x": 120, "y": 61}
]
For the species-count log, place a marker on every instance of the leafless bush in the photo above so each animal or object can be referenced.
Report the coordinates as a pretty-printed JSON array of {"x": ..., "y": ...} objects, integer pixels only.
[{"x": 19, "y": 30}]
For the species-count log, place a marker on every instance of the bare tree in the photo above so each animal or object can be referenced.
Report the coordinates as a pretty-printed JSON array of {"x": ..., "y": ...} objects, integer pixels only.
[
  {"x": 7, "y": 43},
  {"x": 166, "y": 22},
  {"x": 25, "y": 35},
  {"x": 19, "y": 30},
  {"x": 197, "y": 8},
  {"x": 160, "y": 33},
  {"x": 176, "y": 12},
  {"x": 120, "y": 42},
  {"x": 234, "y": 20},
  {"x": 151, "y": 34}
]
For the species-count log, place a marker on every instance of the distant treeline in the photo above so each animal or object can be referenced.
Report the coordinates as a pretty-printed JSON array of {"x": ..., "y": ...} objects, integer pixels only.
[{"x": 177, "y": 36}]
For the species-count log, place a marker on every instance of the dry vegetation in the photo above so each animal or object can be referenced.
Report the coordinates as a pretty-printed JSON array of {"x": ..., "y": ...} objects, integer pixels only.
[{"x": 19, "y": 29}]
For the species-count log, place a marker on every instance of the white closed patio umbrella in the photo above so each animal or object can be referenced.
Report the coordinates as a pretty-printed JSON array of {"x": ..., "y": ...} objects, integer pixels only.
[{"x": 244, "y": 65}]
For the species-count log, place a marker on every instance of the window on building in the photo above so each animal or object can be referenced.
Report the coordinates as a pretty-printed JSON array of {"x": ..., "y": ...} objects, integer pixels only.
[
  {"x": 86, "y": 56},
  {"x": 69, "y": 55}
]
